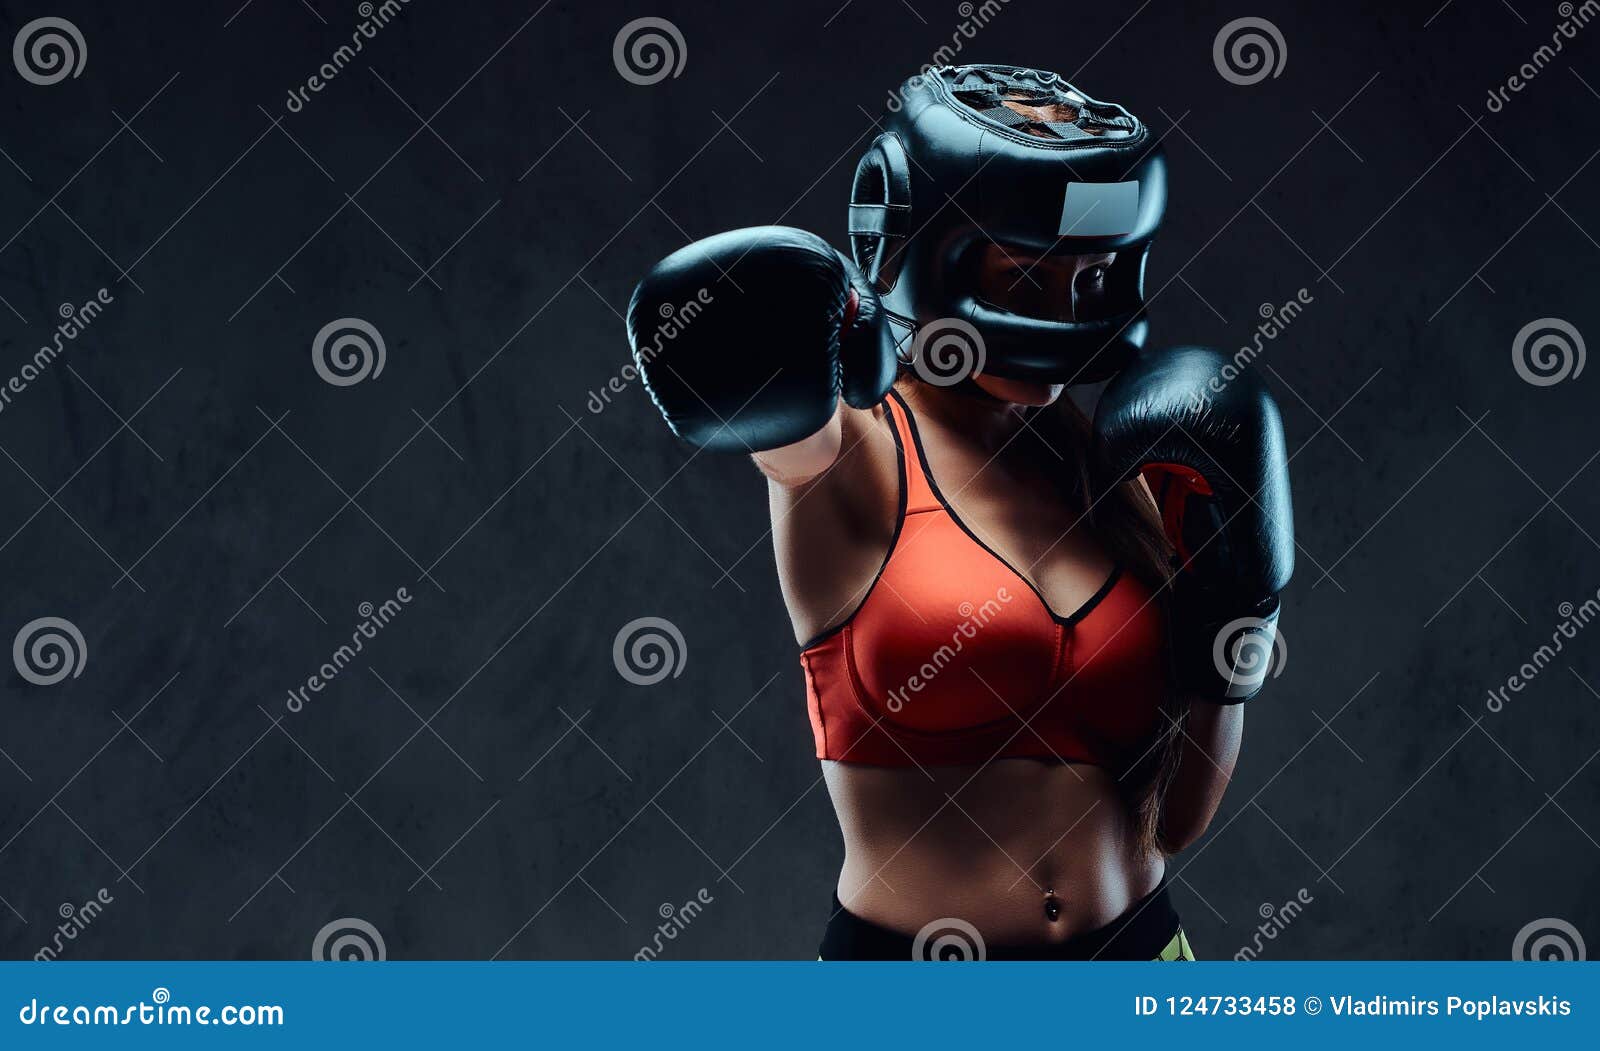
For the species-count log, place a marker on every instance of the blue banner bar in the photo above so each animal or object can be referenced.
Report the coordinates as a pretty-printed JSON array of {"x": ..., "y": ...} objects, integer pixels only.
[{"x": 801, "y": 1005}]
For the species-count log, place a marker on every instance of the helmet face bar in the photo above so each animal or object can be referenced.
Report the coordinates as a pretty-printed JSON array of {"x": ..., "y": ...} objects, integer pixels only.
[{"x": 956, "y": 170}]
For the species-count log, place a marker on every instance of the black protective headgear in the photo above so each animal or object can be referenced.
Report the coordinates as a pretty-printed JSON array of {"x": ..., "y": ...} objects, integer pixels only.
[{"x": 956, "y": 170}]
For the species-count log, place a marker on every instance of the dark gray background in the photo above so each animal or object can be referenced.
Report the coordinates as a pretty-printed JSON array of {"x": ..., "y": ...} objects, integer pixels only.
[{"x": 187, "y": 439}]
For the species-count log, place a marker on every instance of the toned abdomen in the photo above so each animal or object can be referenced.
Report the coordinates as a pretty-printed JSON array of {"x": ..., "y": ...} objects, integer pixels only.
[{"x": 1016, "y": 831}]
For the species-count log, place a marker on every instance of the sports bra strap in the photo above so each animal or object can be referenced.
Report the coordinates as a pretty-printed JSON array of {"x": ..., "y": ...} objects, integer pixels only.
[{"x": 914, "y": 476}]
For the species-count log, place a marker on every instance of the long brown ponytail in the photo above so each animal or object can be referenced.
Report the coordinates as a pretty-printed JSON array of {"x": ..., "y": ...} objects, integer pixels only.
[{"x": 1125, "y": 523}]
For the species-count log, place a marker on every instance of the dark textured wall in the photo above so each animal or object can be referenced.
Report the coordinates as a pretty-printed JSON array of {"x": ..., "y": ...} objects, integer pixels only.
[{"x": 482, "y": 186}]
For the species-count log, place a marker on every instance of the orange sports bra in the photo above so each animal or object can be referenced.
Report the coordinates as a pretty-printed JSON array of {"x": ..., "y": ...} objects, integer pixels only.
[{"x": 953, "y": 658}]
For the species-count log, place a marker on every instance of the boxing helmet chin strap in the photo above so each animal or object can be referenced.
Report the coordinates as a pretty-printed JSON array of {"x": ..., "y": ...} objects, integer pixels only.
[{"x": 904, "y": 345}]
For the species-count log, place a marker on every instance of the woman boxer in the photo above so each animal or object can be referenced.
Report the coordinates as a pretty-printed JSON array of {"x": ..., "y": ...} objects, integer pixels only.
[{"x": 1007, "y": 638}]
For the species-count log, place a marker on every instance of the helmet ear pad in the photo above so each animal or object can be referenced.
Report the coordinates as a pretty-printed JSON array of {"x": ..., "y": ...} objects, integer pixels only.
[
  {"x": 880, "y": 212},
  {"x": 1125, "y": 278}
]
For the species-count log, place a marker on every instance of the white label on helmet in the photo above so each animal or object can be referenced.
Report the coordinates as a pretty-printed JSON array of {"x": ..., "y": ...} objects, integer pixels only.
[{"x": 1099, "y": 209}]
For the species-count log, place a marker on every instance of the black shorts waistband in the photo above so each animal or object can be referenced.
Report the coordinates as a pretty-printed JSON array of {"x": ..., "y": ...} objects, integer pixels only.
[{"x": 1140, "y": 933}]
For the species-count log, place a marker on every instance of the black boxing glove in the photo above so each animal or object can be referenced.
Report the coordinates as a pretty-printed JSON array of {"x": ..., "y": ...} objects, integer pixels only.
[
  {"x": 1212, "y": 452},
  {"x": 766, "y": 329}
]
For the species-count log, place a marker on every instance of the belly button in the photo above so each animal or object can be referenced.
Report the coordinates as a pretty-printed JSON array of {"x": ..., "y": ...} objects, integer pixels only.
[{"x": 1052, "y": 906}]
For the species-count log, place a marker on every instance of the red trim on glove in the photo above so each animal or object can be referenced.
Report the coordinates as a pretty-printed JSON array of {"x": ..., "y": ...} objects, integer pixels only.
[
  {"x": 1173, "y": 484},
  {"x": 852, "y": 307}
]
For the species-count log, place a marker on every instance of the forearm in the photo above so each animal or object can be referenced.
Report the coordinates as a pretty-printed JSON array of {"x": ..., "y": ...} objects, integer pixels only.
[
  {"x": 1208, "y": 750},
  {"x": 798, "y": 463}
]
